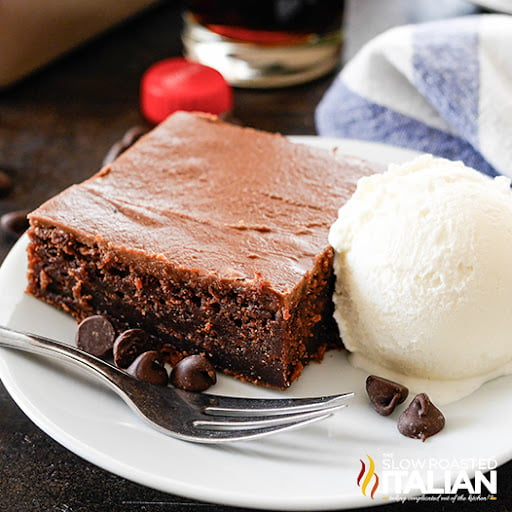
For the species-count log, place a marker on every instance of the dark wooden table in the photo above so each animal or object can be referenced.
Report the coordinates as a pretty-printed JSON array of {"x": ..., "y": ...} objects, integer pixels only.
[{"x": 55, "y": 128}]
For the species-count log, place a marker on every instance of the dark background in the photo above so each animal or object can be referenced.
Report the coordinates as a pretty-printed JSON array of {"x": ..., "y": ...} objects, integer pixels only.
[{"x": 55, "y": 128}]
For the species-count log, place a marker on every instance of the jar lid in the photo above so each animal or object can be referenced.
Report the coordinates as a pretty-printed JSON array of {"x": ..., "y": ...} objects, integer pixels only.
[{"x": 178, "y": 84}]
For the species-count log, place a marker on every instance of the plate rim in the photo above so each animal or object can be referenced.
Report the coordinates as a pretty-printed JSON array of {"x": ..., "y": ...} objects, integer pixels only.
[{"x": 192, "y": 490}]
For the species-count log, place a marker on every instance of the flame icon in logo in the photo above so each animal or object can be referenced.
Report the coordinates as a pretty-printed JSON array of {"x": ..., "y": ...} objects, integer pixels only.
[{"x": 365, "y": 477}]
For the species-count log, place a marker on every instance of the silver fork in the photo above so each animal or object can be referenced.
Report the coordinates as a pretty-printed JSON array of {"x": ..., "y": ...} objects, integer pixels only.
[{"x": 196, "y": 417}]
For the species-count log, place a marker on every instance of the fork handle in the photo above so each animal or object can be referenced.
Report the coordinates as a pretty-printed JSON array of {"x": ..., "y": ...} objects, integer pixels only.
[{"x": 55, "y": 349}]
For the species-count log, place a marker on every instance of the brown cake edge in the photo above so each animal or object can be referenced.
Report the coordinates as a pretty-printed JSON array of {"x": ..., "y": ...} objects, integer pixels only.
[{"x": 281, "y": 333}]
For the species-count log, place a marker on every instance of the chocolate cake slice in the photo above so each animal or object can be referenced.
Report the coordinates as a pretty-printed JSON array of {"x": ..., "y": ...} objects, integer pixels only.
[{"x": 211, "y": 237}]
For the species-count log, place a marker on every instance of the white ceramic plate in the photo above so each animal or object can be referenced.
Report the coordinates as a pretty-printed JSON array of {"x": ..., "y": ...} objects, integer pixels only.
[
  {"x": 504, "y": 6},
  {"x": 310, "y": 469}
]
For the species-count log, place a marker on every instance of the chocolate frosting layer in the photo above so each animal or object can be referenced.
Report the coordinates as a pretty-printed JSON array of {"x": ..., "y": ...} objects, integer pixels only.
[{"x": 214, "y": 197}]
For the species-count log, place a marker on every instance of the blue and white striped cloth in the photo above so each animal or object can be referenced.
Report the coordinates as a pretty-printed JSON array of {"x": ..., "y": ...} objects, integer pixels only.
[{"x": 442, "y": 87}]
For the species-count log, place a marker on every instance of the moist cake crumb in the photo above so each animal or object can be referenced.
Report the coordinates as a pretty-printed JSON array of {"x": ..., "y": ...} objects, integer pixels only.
[{"x": 210, "y": 237}]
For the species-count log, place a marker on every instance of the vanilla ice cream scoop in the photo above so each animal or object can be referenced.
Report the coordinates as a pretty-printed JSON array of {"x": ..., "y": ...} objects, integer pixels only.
[{"x": 423, "y": 270}]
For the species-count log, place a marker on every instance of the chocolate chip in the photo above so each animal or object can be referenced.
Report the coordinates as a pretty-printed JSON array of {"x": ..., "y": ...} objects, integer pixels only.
[
  {"x": 147, "y": 367},
  {"x": 95, "y": 335},
  {"x": 193, "y": 373},
  {"x": 14, "y": 224},
  {"x": 5, "y": 183},
  {"x": 422, "y": 419},
  {"x": 385, "y": 394},
  {"x": 130, "y": 344},
  {"x": 129, "y": 138}
]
